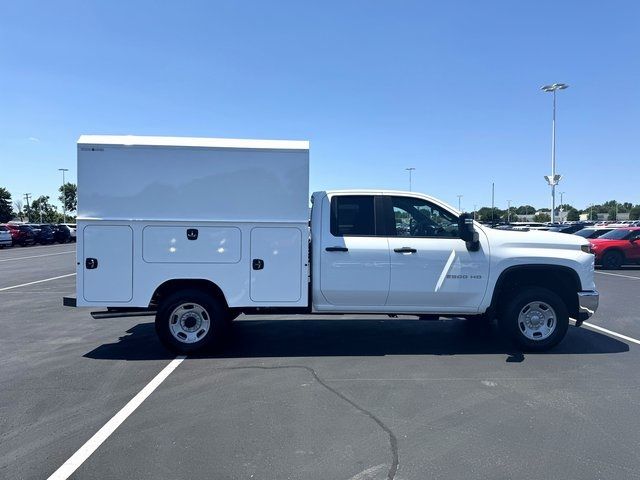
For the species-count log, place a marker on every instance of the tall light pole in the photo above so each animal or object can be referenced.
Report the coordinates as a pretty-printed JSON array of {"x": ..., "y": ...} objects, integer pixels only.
[
  {"x": 459, "y": 198},
  {"x": 64, "y": 195},
  {"x": 553, "y": 179},
  {"x": 410, "y": 169},
  {"x": 508, "y": 211},
  {"x": 474, "y": 211},
  {"x": 26, "y": 197}
]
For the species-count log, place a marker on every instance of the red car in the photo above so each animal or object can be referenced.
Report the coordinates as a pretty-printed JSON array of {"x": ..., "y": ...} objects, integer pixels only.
[
  {"x": 21, "y": 234},
  {"x": 617, "y": 247}
]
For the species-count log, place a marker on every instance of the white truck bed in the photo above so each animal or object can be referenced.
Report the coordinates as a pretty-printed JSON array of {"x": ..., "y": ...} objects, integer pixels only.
[{"x": 142, "y": 199}]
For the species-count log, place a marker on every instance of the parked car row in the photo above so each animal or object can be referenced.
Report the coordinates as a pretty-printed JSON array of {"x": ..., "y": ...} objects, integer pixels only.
[{"x": 25, "y": 234}]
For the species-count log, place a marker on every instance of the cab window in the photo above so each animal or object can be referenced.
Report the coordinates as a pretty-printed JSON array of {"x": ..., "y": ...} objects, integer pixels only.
[
  {"x": 352, "y": 215},
  {"x": 415, "y": 217}
]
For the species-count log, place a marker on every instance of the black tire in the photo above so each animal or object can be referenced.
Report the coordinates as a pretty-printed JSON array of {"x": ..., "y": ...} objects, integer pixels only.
[
  {"x": 612, "y": 260},
  {"x": 510, "y": 324},
  {"x": 213, "y": 309}
]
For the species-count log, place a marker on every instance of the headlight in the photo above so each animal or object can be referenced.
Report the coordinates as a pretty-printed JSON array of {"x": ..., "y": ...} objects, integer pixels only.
[{"x": 586, "y": 248}]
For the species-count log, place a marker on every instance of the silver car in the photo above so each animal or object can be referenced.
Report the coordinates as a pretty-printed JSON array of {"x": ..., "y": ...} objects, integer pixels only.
[
  {"x": 5, "y": 237},
  {"x": 72, "y": 230}
]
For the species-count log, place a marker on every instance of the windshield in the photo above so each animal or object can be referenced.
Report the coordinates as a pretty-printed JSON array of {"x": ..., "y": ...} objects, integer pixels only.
[
  {"x": 589, "y": 232},
  {"x": 617, "y": 234}
]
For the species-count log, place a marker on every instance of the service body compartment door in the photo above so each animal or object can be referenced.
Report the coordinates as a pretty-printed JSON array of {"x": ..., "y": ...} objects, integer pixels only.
[
  {"x": 108, "y": 263},
  {"x": 276, "y": 264}
]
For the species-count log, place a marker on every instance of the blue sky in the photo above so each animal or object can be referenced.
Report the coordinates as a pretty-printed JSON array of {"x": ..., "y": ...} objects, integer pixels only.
[{"x": 450, "y": 88}]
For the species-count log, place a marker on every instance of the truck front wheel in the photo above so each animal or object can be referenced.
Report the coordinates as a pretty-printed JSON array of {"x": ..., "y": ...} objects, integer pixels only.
[
  {"x": 190, "y": 320},
  {"x": 535, "y": 319}
]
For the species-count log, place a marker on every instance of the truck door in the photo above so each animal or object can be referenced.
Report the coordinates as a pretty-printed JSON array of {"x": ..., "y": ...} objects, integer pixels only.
[
  {"x": 430, "y": 266},
  {"x": 107, "y": 263},
  {"x": 354, "y": 259}
]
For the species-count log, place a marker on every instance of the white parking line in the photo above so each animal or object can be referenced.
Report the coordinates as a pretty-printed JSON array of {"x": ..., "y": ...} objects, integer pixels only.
[
  {"x": 37, "y": 281},
  {"x": 85, "y": 451},
  {"x": 612, "y": 333},
  {"x": 37, "y": 256},
  {"x": 618, "y": 275}
]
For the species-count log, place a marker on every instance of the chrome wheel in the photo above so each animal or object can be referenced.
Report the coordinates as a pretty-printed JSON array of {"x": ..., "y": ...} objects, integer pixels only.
[
  {"x": 189, "y": 323},
  {"x": 537, "y": 321}
]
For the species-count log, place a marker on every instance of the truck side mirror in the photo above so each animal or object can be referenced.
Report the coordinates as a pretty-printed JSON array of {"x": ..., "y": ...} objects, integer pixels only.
[{"x": 468, "y": 233}]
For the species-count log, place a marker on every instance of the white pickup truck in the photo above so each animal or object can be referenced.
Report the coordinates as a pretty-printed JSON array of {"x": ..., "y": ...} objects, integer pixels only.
[{"x": 199, "y": 230}]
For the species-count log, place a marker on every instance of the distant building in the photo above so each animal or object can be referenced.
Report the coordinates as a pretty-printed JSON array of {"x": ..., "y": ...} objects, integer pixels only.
[{"x": 603, "y": 217}]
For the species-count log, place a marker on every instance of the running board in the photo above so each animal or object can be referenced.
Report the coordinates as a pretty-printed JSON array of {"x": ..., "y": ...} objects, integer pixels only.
[{"x": 122, "y": 314}]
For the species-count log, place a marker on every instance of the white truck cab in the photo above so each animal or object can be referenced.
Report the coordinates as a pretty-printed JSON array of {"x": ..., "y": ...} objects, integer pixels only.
[{"x": 196, "y": 231}]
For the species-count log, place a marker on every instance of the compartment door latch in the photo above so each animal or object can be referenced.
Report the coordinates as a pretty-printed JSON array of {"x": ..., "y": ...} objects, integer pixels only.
[{"x": 258, "y": 264}]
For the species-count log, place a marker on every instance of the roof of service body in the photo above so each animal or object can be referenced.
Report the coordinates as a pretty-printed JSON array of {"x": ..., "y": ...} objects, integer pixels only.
[{"x": 149, "y": 141}]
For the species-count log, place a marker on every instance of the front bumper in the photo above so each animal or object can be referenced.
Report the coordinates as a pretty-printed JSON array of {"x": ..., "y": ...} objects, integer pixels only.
[{"x": 587, "y": 305}]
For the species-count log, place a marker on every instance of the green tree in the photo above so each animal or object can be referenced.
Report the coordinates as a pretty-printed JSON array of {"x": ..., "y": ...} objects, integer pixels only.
[
  {"x": 634, "y": 213},
  {"x": 565, "y": 207},
  {"x": 593, "y": 214},
  {"x": 510, "y": 215},
  {"x": 526, "y": 210},
  {"x": 485, "y": 215},
  {"x": 612, "y": 214},
  {"x": 573, "y": 215},
  {"x": 42, "y": 206},
  {"x": 6, "y": 211},
  {"x": 542, "y": 217},
  {"x": 69, "y": 196}
]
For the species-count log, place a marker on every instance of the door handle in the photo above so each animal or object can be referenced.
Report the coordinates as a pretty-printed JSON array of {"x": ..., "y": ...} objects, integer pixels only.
[
  {"x": 405, "y": 250},
  {"x": 91, "y": 263},
  {"x": 257, "y": 264},
  {"x": 337, "y": 249}
]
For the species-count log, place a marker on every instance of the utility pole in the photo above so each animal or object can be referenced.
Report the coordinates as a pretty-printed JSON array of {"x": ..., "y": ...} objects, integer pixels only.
[
  {"x": 64, "y": 195},
  {"x": 508, "y": 211},
  {"x": 459, "y": 197},
  {"x": 26, "y": 197},
  {"x": 554, "y": 178},
  {"x": 410, "y": 169}
]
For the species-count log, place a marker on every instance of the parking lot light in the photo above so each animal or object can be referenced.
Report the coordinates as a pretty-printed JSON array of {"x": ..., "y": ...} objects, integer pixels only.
[
  {"x": 553, "y": 179},
  {"x": 410, "y": 169}
]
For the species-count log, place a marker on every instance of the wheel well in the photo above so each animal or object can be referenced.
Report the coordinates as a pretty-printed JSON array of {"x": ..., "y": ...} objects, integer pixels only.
[
  {"x": 563, "y": 281},
  {"x": 171, "y": 286},
  {"x": 613, "y": 249}
]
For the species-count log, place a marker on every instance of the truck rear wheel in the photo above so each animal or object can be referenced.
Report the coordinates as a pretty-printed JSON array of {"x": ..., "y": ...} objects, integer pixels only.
[
  {"x": 190, "y": 320},
  {"x": 535, "y": 319}
]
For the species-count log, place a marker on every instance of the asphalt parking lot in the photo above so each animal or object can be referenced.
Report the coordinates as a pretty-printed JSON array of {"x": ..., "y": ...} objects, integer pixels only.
[{"x": 312, "y": 398}]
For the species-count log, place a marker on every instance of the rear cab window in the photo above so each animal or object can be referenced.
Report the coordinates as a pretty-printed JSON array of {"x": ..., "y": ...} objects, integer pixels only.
[{"x": 353, "y": 215}]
